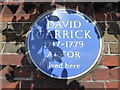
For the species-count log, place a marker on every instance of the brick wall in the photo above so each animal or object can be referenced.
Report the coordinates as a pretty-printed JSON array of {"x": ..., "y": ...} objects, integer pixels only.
[{"x": 16, "y": 70}]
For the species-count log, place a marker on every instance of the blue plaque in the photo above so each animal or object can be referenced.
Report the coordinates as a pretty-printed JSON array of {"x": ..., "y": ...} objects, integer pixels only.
[{"x": 64, "y": 44}]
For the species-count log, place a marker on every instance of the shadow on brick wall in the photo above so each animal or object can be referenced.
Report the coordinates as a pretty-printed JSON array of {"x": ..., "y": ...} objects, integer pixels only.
[
  {"x": 112, "y": 29},
  {"x": 37, "y": 80}
]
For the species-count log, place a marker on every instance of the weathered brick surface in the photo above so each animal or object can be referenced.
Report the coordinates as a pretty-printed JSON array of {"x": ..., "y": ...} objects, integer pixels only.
[
  {"x": 6, "y": 71},
  {"x": 94, "y": 85},
  {"x": 88, "y": 77},
  {"x": 106, "y": 48},
  {"x": 114, "y": 85},
  {"x": 22, "y": 18},
  {"x": 101, "y": 74},
  {"x": 114, "y": 48},
  {"x": 11, "y": 3},
  {"x": 11, "y": 48},
  {"x": 114, "y": 74},
  {"x": 3, "y": 26},
  {"x": 111, "y": 60},
  {"x": 9, "y": 85},
  {"x": 11, "y": 59},
  {"x": 109, "y": 37},
  {"x": 1, "y": 44},
  {"x": 5, "y": 10},
  {"x": 7, "y": 18},
  {"x": 15, "y": 21},
  {"x": 1, "y": 47},
  {"x": 20, "y": 10}
]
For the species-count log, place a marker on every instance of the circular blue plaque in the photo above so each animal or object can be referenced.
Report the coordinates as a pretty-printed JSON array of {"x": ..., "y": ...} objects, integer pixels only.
[{"x": 64, "y": 44}]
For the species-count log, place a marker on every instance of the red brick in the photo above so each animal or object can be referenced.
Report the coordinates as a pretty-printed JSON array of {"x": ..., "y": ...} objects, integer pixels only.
[
  {"x": 110, "y": 60},
  {"x": 115, "y": 16},
  {"x": 33, "y": 17},
  {"x": 21, "y": 72},
  {"x": 1, "y": 17},
  {"x": 8, "y": 85},
  {"x": 94, "y": 85},
  {"x": 20, "y": 10},
  {"x": 22, "y": 17},
  {"x": 7, "y": 18},
  {"x": 100, "y": 17},
  {"x": 34, "y": 14},
  {"x": 87, "y": 77},
  {"x": 112, "y": 85},
  {"x": 16, "y": 17},
  {"x": 12, "y": 3},
  {"x": 107, "y": 17},
  {"x": 118, "y": 14},
  {"x": 11, "y": 59},
  {"x": 6, "y": 71},
  {"x": 101, "y": 74},
  {"x": 6, "y": 10},
  {"x": 114, "y": 73}
]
